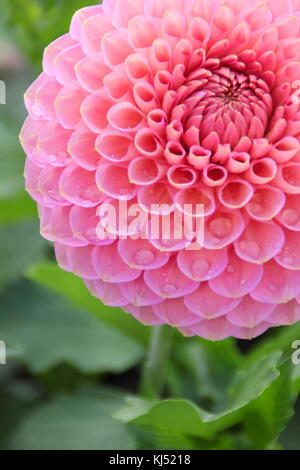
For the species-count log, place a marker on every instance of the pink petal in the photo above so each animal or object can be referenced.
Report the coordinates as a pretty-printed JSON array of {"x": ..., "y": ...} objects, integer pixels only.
[
  {"x": 175, "y": 313},
  {"x": 278, "y": 285},
  {"x": 285, "y": 314},
  {"x": 113, "y": 181},
  {"x": 109, "y": 294},
  {"x": 82, "y": 148},
  {"x": 235, "y": 193},
  {"x": 140, "y": 254},
  {"x": 110, "y": 267},
  {"x": 207, "y": 304},
  {"x": 79, "y": 187},
  {"x": 260, "y": 242},
  {"x": 290, "y": 215},
  {"x": 250, "y": 313},
  {"x": 203, "y": 264},
  {"x": 238, "y": 279},
  {"x": 222, "y": 228},
  {"x": 266, "y": 203},
  {"x": 139, "y": 294},
  {"x": 144, "y": 314},
  {"x": 215, "y": 329},
  {"x": 289, "y": 256},
  {"x": 169, "y": 282}
]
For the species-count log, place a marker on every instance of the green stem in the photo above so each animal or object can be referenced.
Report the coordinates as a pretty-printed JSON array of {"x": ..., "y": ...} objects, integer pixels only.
[{"x": 154, "y": 372}]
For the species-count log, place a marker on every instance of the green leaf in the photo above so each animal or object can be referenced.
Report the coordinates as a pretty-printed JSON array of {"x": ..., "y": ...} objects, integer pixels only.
[
  {"x": 79, "y": 422},
  {"x": 17, "y": 208},
  {"x": 47, "y": 331},
  {"x": 202, "y": 370},
  {"x": 51, "y": 276},
  {"x": 21, "y": 245},
  {"x": 36, "y": 23},
  {"x": 12, "y": 116},
  {"x": 184, "y": 417},
  {"x": 290, "y": 438},
  {"x": 277, "y": 339},
  {"x": 271, "y": 412}
]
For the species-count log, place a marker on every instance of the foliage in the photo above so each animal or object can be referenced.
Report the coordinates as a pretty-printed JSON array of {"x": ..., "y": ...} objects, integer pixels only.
[{"x": 73, "y": 366}]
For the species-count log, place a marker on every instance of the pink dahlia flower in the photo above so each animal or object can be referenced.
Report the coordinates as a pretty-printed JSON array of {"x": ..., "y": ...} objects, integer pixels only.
[{"x": 178, "y": 102}]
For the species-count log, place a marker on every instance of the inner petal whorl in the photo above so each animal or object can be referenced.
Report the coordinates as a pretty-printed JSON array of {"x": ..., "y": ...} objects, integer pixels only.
[{"x": 223, "y": 106}]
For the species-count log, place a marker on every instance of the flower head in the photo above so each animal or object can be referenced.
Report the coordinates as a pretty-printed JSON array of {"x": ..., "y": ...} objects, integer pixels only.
[{"x": 161, "y": 105}]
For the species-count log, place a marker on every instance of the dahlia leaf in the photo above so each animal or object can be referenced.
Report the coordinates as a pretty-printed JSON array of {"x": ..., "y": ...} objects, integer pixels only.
[
  {"x": 48, "y": 331},
  {"x": 290, "y": 437},
  {"x": 184, "y": 417},
  {"x": 21, "y": 246},
  {"x": 202, "y": 371},
  {"x": 79, "y": 422},
  {"x": 49, "y": 275},
  {"x": 271, "y": 412}
]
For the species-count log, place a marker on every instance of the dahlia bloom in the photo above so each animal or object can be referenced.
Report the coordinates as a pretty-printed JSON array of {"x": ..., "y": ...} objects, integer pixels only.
[{"x": 178, "y": 102}]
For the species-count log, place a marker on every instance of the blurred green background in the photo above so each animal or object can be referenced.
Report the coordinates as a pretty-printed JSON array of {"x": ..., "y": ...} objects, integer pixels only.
[{"x": 73, "y": 366}]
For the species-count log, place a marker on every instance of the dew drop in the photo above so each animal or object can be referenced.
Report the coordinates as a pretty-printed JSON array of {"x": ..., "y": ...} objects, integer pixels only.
[
  {"x": 169, "y": 289},
  {"x": 290, "y": 217},
  {"x": 221, "y": 227},
  {"x": 144, "y": 257},
  {"x": 200, "y": 268},
  {"x": 288, "y": 260},
  {"x": 91, "y": 234},
  {"x": 91, "y": 193},
  {"x": 52, "y": 158},
  {"x": 231, "y": 269},
  {"x": 255, "y": 208},
  {"x": 250, "y": 248}
]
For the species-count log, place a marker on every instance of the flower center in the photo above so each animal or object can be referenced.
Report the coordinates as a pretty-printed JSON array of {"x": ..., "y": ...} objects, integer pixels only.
[
  {"x": 222, "y": 107},
  {"x": 227, "y": 102}
]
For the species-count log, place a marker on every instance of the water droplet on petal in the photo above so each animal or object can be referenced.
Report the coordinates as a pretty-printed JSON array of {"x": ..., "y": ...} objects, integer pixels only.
[
  {"x": 250, "y": 248},
  {"x": 91, "y": 193},
  {"x": 221, "y": 227},
  {"x": 200, "y": 268},
  {"x": 231, "y": 269},
  {"x": 288, "y": 260},
  {"x": 169, "y": 289},
  {"x": 91, "y": 234},
  {"x": 144, "y": 257},
  {"x": 290, "y": 217}
]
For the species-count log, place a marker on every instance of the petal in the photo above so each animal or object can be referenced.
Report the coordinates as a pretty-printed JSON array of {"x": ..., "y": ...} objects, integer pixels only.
[
  {"x": 109, "y": 294},
  {"x": 169, "y": 282},
  {"x": 259, "y": 242},
  {"x": 278, "y": 285},
  {"x": 138, "y": 293},
  {"x": 94, "y": 110},
  {"x": 222, "y": 228},
  {"x": 215, "y": 329},
  {"x": 202, "y": 265},
  {"x": 238, "y": 279},
  {"x": 140, "y": 254},
  {"x": 266, "y": 203},
  {"x": 250, "y": 313},
  {"x": 289, "y": 256},
  {"x": 235, "y": 194},
  {"x": 175, "y": 313},
  {"x": 285, "y": 314},
  {"x": 113, "y": 181},
  {"x": 79, "y": 187},
  {"x": 82, "y": 148},
  {"x": 290, "y": 215},
  {"x": 144, "y": 315},
  {"x": 110, "y": 267},
  {"x": 207, "y": 304}
]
